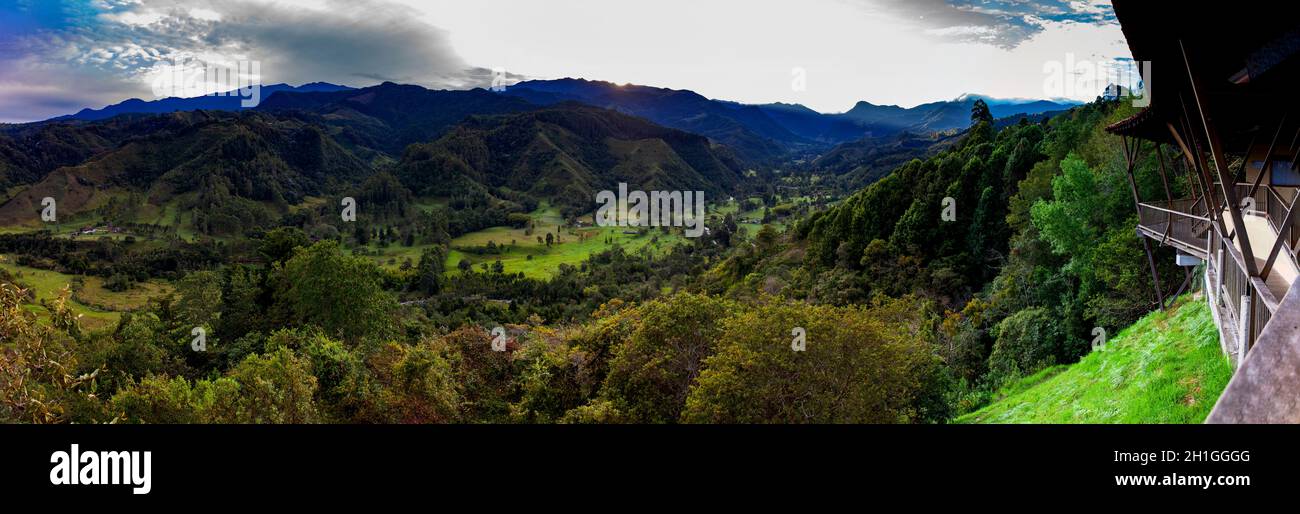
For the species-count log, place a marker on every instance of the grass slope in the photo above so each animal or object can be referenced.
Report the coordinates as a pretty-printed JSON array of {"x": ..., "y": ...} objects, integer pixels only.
[{"x": 1166, "y": 368}]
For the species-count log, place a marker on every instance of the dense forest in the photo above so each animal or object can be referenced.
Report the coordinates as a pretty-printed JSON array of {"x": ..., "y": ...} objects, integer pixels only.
[{"x": 899, "y": 312}]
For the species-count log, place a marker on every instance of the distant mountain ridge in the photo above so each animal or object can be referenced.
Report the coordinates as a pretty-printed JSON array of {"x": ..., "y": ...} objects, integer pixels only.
[
  {"x": 207, "y": 102},
  {"x": 754, "y": 130},
  {"x": 943, "y": 115},
  {"x": 382, "y": 120},
  {"x": 746, "y": 128}
]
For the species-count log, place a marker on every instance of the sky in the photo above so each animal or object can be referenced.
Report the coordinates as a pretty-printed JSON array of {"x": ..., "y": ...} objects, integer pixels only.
[{"x": 57, "y": 57}]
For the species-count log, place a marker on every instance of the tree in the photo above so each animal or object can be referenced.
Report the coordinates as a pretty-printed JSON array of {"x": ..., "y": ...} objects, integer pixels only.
[
  {"x": 979, "y": 112},
  {"x": 419, "y": 384},
  {"x": 1027, "y": 342},
  {"x": 652, "y": 371},
  {"x": 241, "y": 309},
  {"x": 274, "y": 388},
  {"x": 361, "y": 234},
  {"x": 278, "y": 244},
  {"x": 428, "y": 274},
  {"x": 341, "y": 294},
  {"x": 39, "y": 382},
  {"x": 199, "y": 302},
  {"x": 857, "y": 365}
]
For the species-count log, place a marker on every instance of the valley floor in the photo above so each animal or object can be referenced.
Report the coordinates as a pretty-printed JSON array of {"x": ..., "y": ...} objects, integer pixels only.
[
  {"x": 1166, "y": 368},
  {"x": 98, "y": 307}
]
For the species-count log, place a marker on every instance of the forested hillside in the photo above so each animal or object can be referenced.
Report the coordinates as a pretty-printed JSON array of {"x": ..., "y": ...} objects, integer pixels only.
[
  {"x": 1041, "y": 250},
  {"x": 566, "y": 154}
]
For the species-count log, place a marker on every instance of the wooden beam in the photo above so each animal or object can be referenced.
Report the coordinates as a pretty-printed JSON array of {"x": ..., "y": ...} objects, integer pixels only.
[
  {"x": 1215, "y": 213},
  {"x": 1169, "y": 195},
  {"x": 1164, "y": 179},
  {"x": 1245, "y": 162},
  {"x": 1187, "y": 153},
  {"x": 1131, "y": 156},
  {"x": 1216, "y": 152},
  {"x": 1187, "y": 280}
]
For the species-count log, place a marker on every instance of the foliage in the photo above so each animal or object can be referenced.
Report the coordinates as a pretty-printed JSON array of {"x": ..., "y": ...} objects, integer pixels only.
[
  {"x": 341, "y": 294},
  {"x": 858, "y": 365}
]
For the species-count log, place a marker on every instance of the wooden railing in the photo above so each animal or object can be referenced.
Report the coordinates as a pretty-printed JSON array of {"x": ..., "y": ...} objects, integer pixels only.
[
  {"x": 1183, "y": 223},
  {"x": 1246, "y": 301},
  {"x": 1272, "y": 203}
]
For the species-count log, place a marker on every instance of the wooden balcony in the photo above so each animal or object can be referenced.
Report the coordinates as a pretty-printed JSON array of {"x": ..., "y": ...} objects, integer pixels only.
[
  {"x": 1188, "y": 226},
  {"x": 1182, "y": 224}
]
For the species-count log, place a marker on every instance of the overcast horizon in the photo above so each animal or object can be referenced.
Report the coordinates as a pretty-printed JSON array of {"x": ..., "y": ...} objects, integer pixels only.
[{"x": 64, "y": 56}]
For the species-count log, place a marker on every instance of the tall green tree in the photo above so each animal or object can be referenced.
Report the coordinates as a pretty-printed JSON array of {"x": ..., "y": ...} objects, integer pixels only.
[{"x": 342, "y": 294}]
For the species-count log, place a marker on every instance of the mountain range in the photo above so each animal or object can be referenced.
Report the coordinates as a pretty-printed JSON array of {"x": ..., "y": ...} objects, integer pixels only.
[
  {"x": 236, "y": 171},
  {"x": 757, "y": 133},
  {"x": 772, "y": 130},
  {"x": 556, "y": 141}
]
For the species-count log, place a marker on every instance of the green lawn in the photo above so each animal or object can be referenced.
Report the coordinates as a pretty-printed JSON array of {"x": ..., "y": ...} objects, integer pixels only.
[
  {"x": 107, "y": 304},
  {"x": 574, "y": 246},
  {"x": 546, "y": 261},
  {"x": 1166, "y": 368}
]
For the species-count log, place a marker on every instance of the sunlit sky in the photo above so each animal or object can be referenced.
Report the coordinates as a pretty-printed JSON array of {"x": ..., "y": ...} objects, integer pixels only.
[{"x": 60, "y": 56}]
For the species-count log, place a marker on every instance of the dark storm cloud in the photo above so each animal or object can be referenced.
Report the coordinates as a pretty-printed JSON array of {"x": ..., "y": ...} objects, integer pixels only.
[
  {"x": 1002, "y": 23},
  {"x": 91, "y": 53}
]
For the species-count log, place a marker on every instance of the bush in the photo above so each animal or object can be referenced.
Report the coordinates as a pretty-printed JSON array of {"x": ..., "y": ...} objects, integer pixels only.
[
  {"x": 1027, "y": 342},
  {"x": 653, "y": 370},
  {"x": 858, "y": 365}
]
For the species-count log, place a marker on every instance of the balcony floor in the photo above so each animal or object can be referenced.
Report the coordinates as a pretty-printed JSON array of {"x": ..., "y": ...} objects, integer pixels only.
[
  {"x": 1262, "y": 236},
  {"x": 1179, "y": 238}
]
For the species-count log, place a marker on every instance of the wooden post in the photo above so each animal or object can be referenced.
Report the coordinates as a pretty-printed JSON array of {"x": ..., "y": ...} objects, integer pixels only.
[
  {"x": 1131, "y": 156},
  {"x": 1243, "y": 328}
]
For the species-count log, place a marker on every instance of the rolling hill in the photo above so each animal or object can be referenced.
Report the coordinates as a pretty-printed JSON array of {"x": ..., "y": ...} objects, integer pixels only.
[
  {"x": 207, "y": 156},
  {"x": 565, "y": 154},
  {"x": 746, "y": 128},
  {"x": 233, "y": 171}
]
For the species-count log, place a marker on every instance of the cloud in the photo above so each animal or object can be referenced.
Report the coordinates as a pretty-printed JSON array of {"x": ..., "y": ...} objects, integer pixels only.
[
  {"x": 115, "y": 47},
  {"x": 1002, "y": 23}
]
